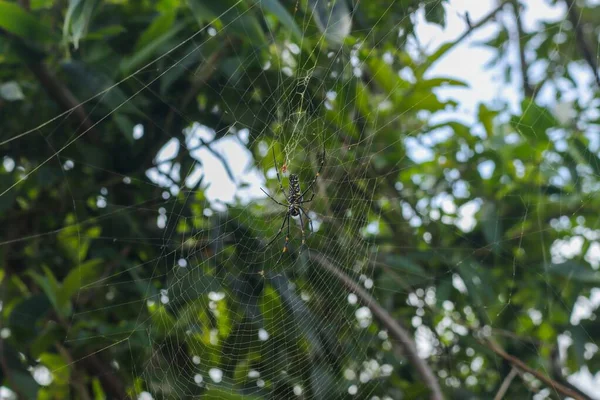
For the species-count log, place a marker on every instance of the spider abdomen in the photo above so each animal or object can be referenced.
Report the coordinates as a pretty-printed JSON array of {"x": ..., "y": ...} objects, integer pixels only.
[
  {"x": 295, "y": 197},
  {"x": 294, "y": 185},
  {"x": 295, "y": 194}
]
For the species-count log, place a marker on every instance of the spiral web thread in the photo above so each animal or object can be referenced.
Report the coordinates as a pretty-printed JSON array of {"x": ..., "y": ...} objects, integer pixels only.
[{"x": 173, "y": 320}]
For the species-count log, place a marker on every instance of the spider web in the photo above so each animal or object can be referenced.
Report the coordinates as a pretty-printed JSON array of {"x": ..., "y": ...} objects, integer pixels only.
[
  {"x": 277, "y": 297},
  {"x": 217, "y": 307}
]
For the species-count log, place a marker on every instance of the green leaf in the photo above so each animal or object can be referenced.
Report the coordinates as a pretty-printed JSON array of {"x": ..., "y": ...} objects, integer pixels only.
[
  {"x": 405, "y": 265},
  {"x": 21, "y": 380},
  {"x": 24, "y": 316},
  {"x": 80, "y": 277},
  {"x": 60, "y": 369},
  {"x": 26, "y": 385},
  {"x": 460, "y": 129},
  {"x": 236, "y": 346},
  {"x": 478, "y": 286},
  {"x": 51, "y": 334},
  {"x": 443, "y": 291},
  {"x": 125, "y": 125},
  {"x": 486, "y": 117},
  {"x": 98, "y": 390},
  {"x": 74, "y": 241},
  {"x": 333, "y": 19},
  {"x": 106, "y": 32},
  {"x": 362, "y": 101},
  {"x": 142, "y": 56},
  {"x": 534, "y": 121},
  {"x": 492, "y": 226},
  {"x": 498, "y": 41},
  {"x": 437, "y": 82},
  {"x": 234, "y": 15},
  {"x": 423, "y": 100},
  {"x": 546, "y": 332},
  {"x": 19, "y": 22},
  {"x": 49, "y": 285},
  {"x": 435, "y": 13},
  {"x": 436, "y": 55},
  {"x": 162, "y": 321},
  {"x": 587, "y": 155},
  {"x": 322, "y": 383},
  {"x": 275, "y": 8},
  {"x": 77, "y": 20},
  {"x": 385, "y": 76},
  {"x": 7, "y": 200},
  {"x": 575, "y": 271},
  {"x": 580, "y": 336},
  {"x": 157, "y": 28},
  {"x": 298, "y": 312},
  {"x": 194, "y": 55},
  {"x": 189, "y": 284},
  {"x": 88, "y": 82}
]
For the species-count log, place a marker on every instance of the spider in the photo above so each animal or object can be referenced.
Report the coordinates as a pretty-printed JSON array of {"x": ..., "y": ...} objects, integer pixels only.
[{"x": 295, "y": 200}]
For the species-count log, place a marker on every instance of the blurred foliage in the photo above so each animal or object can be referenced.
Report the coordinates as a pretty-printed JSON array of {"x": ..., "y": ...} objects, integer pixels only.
[{"x": 85, "y": 267}]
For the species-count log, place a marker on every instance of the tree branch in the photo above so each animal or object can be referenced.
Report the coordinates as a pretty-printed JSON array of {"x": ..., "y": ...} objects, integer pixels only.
[
  {"x": 520, "y": 41},
  {"x": 208, "y": 147},
  {"x": 574, "y": 17},
  {"x": 60, "y": 93},
  {"x": 506, "y": 384},
  {"x": 62, "y": 96},
  {"x": 552, "y": 384},
  {"x": 401, "y": 334}
]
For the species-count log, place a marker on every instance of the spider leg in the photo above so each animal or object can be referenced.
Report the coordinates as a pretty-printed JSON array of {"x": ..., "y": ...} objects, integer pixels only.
[
  {"x": 286, "y": 218},
  {"x": 307, "y": 201},
  {"x": 278, "y": 177},
  {"x": 287, "y": 238},
  {"x": 281, "y": 204},
  {"x": 302, "y": 229},
  {"x": 312, "y": 230}
]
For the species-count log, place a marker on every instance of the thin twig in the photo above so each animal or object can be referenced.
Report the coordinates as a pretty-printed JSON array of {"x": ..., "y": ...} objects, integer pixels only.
[
  {"x": 506, "y": 384},
  {"x": 204, "y": 73},
  {"x": 481, "y": 22},
  {"x": 220, "y": 157},
  {"x": 558, "y": 387},
  {"x": 211, "y": 150},
  {"x": 401, "y": 334},
  {"x": 521, "y": 43},
  {"x": 574, "y": 17}
]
